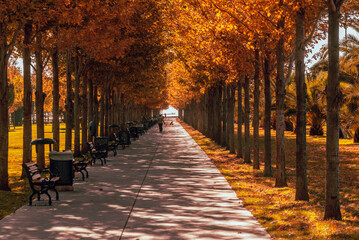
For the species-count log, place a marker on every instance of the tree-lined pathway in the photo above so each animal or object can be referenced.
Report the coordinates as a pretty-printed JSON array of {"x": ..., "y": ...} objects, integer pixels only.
[{"x": 162, "y": 187}]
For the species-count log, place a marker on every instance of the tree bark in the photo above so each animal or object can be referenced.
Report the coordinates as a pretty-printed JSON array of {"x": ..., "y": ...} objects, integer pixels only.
[
  {"x": 55, "y": 100},
  {"x": 267, "y": 117},
  {"x": 39, "y": 100},
  {"x": 224, "y": 117},
  {"x": 204, "y": 113},
  {"x": 239, "y": 120},
  {"x": 217, "y": 114},
  {"x": 102, "y": 113},
  {"x": 4, "y": 114},
  {"x": 231, "y": 102},
  {"x": 84, "y": 115},
  {"x": 301, "y": 189},
  {"x": 210, "y": 112},
  {"x": 281, "y": 178},
  {"x": 90, "y": 105},
  {"x": 107, "y": 110},
  {"x": 77, "y": 107},
  {"x": 96, "y": 106},
  {"x": 27, "y": 101},
  {"x": 334, "y": 97},
  {"x": 69, "y": 103},
  {"x": 256, "y": 112},
  {"x": 247, "y": 141}
]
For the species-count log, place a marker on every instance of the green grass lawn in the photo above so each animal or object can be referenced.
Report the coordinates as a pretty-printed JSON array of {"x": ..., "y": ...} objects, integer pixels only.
[
  {"x": 20, "y": 191},
  {"x": 275, "y": 208}
]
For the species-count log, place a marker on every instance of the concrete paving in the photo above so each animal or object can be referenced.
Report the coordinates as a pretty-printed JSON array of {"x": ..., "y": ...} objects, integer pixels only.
[{"x": 162, "y": 187}]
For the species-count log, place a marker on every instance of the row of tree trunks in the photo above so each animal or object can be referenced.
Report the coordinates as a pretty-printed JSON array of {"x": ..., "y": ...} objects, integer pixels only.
[{"x": 213, "y": 115}]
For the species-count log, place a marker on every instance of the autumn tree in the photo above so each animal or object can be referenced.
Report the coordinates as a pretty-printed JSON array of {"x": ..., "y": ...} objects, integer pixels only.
[{"x": 10, "y": 27}]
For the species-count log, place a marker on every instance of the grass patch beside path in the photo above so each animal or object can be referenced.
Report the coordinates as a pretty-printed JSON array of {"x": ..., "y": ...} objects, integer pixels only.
[
  {"x": 275, "y": 208},
  {"x": 20, "y": 189}
]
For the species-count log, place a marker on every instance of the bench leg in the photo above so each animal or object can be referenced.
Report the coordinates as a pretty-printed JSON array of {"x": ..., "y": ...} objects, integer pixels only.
[
  {"x": 57, "y": 194},
  {"x": 83, "y": 175},
  {"x": 30, "y": 198},
  {"x": 48, "y": 195},
  {"x": 87, "y": 173}
]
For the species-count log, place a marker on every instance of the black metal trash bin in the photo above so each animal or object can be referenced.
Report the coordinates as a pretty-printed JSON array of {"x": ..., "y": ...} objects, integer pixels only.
[{"x": 61, "y": 163}]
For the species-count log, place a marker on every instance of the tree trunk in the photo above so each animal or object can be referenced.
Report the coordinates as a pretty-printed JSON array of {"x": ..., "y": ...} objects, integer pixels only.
[
  {"x": 256, "y": 112},
  {"x": 210, "y": 113},
  {"x": 95, "y": 106},
  {"x": 4, "y": 115},
  {"x": 239, "y": 120},
  {"x": 90, "y": 105},
  {"x": 217, "y": 114},
  {"x": 69, "y": 103},
  {"x": 267, "y": 118},
  {"x": 356, "y": 135},
  {"x": 281, "y": 178},
  {"x": 39, "y": 100},
  {"x": 180, "y": 113},
  {"x": 247, "y": 141},
  {"x": 334, "y": 97},
  {"x": 77, "y": 107},
  {"x": 204, "y": 114},
  {"x": 231, "y": 102},
  {"x": 55, "y": 100},
  {"x": 301, "y": 189},
  {"x": 107, "y": 110},
  {"x": 224, "y": 117},
  {"x": 102, "y": 113},
  {"x": 84, "y": 115},
  {"x": 27, "y": 101}
]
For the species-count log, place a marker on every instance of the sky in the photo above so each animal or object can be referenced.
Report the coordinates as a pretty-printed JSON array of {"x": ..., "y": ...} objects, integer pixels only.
[{"x": 310, "y": 61}]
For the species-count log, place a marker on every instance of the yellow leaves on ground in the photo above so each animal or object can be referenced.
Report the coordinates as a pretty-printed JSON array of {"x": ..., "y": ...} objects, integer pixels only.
[{"x": 276, "y": 208}]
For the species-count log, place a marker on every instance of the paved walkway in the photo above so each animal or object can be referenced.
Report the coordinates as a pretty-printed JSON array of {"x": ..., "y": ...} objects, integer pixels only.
[{"x": 162, "y": 187}]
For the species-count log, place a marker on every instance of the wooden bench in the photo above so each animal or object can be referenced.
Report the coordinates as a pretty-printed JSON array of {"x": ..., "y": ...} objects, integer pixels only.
[
  {"x": 100, "y": 154},
  {"x": 80, "y": 165},
  {"x": 113, "y": 143},
  {"x": 38, "y": 183}
]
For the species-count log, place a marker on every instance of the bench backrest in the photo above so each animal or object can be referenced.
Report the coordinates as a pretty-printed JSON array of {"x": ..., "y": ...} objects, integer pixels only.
[{"x": 32, "y": 171}]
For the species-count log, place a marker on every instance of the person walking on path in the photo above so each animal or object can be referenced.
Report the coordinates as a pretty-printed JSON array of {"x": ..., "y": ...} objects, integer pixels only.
[{"x": 161, "y": 121}]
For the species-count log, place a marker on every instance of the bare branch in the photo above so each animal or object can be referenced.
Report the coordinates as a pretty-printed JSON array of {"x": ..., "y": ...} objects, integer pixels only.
[{"x": 289, "y": 70}]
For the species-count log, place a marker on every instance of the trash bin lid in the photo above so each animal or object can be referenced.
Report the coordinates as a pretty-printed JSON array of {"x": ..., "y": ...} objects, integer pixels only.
[
  {"x": 61, "y": 156},
  {"x": 40, "y": 141}
]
